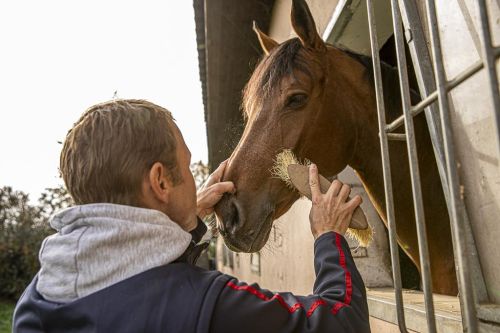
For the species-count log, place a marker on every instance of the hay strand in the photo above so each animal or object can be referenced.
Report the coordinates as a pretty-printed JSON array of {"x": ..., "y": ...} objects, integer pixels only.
[
  {"x": 281, "y": 163},
  {"x": 280, "y": 170},
  {"x": 363, "y": 236}
]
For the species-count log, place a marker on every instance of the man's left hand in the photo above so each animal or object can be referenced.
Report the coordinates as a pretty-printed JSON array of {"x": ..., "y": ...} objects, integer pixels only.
[{"x": 212, "y": 191}]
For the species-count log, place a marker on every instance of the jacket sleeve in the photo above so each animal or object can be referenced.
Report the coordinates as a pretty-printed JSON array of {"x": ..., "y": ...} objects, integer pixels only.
[{"x": 338, "y": 303}]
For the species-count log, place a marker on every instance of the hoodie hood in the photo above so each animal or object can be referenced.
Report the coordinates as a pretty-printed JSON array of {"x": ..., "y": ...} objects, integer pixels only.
[{"x": 98, "y": 245}]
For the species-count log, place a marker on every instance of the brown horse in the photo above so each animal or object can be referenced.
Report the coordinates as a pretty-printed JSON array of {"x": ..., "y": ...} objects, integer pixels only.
[{"x": 319, "y": 101}]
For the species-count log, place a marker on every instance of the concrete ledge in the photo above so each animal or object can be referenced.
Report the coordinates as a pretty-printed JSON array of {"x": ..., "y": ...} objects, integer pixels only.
[{"x": 382, "y": 305}]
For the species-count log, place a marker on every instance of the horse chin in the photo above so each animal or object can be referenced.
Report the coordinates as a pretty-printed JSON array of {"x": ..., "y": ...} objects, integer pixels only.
[
  {"x": 248, "y": 244},
  {"x": 285, "y": 204},
  {"x": 247, "y": 229},
  {"x": 264, "y": 230}
]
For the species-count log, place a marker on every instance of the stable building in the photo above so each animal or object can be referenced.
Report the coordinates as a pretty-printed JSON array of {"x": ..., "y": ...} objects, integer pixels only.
[{"x": 228, "y": 52}]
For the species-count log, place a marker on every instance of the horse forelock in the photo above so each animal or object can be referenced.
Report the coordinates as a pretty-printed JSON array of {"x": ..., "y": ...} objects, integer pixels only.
[
  {"x": 289, "y": 56},
  {"x": 269, "y": 73}
]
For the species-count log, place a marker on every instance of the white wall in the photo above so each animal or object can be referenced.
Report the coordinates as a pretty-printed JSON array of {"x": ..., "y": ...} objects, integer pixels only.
[{"x": 473, "y": 126}]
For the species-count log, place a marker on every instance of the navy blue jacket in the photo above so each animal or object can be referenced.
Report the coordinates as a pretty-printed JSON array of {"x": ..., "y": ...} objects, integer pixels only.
[{"x": 180, "y": 297}]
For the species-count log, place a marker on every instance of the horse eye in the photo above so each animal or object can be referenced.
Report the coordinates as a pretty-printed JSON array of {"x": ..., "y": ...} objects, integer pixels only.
[{"x": 296, "y": 101}]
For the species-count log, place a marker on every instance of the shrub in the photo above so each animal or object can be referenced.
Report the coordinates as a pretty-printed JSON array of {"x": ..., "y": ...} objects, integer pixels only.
[{"x": 23, "y": 227}]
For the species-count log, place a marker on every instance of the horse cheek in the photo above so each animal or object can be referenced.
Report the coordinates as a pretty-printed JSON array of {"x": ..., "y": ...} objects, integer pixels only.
[
  {"x": 291, "y": 126},
  {"x": 325, "y": 145}
]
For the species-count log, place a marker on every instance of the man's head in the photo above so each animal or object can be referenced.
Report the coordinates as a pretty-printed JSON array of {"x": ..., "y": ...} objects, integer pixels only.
[{"x": 130, "y": 152}]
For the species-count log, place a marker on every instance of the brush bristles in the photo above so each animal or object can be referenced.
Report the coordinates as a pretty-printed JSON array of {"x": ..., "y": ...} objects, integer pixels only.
[
  {"x": 364, "y": 237},
  {"x": 280, "y": 170},
  {"x": 281, "y": 163}
]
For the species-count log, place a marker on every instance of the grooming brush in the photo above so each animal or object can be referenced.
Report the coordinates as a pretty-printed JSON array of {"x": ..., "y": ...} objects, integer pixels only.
[{"x": 296, "y": 175}]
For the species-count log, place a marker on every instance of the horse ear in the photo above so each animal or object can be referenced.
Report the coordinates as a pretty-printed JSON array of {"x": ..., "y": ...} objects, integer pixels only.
[
  {"x": 304, "y": 26},
  {"x": 266, "y": 42}
]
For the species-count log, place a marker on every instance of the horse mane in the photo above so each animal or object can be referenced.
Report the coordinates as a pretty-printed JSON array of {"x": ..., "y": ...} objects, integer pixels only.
[
  {"x": 287, "y": 58},
  {"x": 390, "y": 83},
  {"x": 271, "y": 70}
]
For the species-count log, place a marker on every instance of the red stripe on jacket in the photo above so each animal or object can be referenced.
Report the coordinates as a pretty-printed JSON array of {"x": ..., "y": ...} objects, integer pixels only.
[
  {"x": 316, "y": 304},
  {"x": 348, "y": 281}
]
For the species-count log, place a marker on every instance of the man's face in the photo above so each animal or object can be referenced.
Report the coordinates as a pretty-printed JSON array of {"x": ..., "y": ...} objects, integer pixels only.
[{"x": 181, "y": 207}]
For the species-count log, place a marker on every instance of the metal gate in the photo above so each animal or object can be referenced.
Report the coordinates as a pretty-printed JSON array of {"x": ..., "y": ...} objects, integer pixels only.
[{"x": 433, "y": 88}]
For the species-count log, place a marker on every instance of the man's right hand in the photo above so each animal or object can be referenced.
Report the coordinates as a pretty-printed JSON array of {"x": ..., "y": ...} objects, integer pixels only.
[
  {"x": 212, "y": 191},
  {"x": 330, "y": 211}
]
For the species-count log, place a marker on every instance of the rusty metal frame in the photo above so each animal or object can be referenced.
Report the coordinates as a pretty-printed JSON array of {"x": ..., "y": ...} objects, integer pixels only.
[
  {"x": 386, "y": 167},
  {"x": 472, "y": 289}
]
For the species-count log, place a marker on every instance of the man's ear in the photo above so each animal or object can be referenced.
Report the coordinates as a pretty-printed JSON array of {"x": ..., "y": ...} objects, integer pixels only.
[
  {"x": 159, "y": 182},
  {"x": 304, "y": 26},
  {"x": 266, "y": 42}
]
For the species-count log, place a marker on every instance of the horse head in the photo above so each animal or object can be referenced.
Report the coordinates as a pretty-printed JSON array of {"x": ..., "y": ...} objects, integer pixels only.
[{"x": 293, "y": 100}]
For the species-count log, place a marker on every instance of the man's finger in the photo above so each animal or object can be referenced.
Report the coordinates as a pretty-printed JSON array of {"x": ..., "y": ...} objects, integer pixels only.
[
  {"x": 211, "y": 196},
  {"x": 223, "y": 187},
  {"x": 217, "y": 174},
  {"x": 334, "y": 189},
  {"x": 344, "y": 193},
  {"x": 314, "y": 181},
  {"x": 354, "y": 202},
  {"x": 214, "y": 193}
]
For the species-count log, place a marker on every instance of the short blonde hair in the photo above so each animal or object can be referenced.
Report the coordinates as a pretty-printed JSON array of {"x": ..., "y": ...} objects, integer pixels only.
[{"x": 109, "y": 151}]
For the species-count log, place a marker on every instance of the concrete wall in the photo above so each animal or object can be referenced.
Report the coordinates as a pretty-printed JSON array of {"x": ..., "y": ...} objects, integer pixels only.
[
  {"x": 473, "y": 127},
  {"x": 286, "y": 263},
  {"x": 281, "y": 28},
  {"x": 474, "y": 132}
]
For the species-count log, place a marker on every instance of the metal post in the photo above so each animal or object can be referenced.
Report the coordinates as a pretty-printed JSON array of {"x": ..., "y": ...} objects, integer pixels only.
[
  {"x": 414, "y": 169},
  {"x": 489, "y": 61},
  {"x": 469, "y": 319},
  {"x": 386, "y": 165},
  {"x": 420, "y": 56}
]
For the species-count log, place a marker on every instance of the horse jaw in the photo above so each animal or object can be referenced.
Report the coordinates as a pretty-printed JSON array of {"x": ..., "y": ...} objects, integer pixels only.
[{"x": 247, "y": 228}]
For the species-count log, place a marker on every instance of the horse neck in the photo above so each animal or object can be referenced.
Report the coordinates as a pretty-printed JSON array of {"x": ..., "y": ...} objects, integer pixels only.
[
  {"x": 367, "y": 163},
  {"x": 366, "y": 159}
]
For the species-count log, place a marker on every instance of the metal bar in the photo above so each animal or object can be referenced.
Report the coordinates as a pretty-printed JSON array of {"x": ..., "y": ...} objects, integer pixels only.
[
  {"x": 396, "y": 136},
  {"x": 414, "y": 169},
  {"x": 424, "y": 74},
  {"x": 386, "y": 165},
  {"x": 450, "y": 85},
  {"x": 469, "y": 319},
  {"x": 489, "y": 312},
  {"x": 340, "y": 8},
  {"x": 489, "y": 59}
]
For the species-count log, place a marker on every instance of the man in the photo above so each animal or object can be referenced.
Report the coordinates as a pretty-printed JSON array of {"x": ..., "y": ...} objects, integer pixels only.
[{"x": 122, "y": 257}]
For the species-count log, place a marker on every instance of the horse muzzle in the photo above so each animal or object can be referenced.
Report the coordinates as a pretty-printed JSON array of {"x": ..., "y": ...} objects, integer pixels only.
[{"x": 243, "y": 229}]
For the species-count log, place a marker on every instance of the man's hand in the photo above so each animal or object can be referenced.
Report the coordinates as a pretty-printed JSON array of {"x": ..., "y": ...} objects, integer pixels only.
[
  {"x": 330, "y": 211},
  {"x": 211, "y": 192}
]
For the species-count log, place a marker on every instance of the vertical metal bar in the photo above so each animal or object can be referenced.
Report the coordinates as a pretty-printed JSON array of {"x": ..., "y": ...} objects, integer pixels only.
[
  {"x": 414, "y": 169},
  {"x": 425, "y": 78},
  {"x": 386, "y": 165},
  {"x": 469, "y": 319},
  {"x": 489, "y": 61}
]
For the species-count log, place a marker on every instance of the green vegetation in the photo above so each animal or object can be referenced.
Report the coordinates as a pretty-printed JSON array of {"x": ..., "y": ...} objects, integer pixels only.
[
  {"x": 6, "y": 310},
  {"x": 23, "y": 226}
]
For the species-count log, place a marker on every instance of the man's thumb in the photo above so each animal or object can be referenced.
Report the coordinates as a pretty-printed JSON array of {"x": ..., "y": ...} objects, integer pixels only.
[{"x": 224, "y": 187}]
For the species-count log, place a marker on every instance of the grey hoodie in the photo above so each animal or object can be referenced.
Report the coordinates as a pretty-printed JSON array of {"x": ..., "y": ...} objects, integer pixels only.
[{"x": 98, "y": 245}]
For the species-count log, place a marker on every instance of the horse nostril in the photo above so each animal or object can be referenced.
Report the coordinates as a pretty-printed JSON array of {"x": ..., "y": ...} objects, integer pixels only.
[{"x": 233, "y": 218}]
